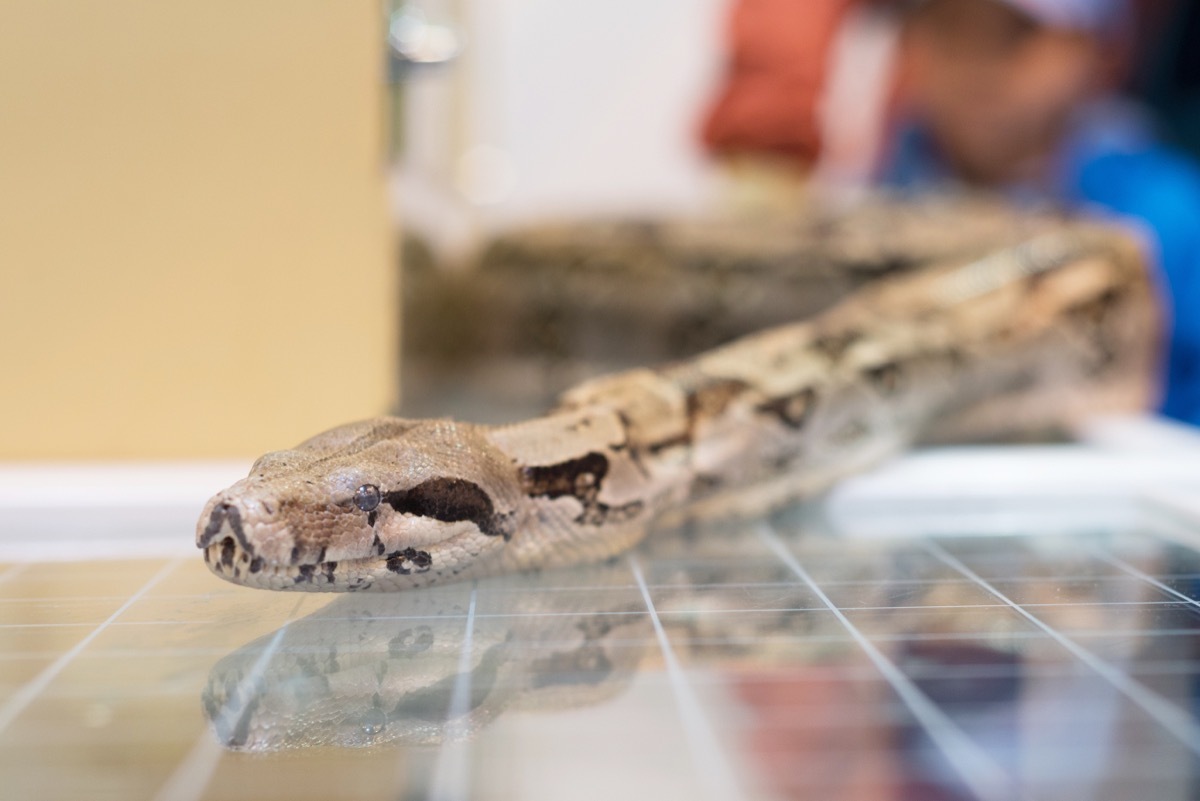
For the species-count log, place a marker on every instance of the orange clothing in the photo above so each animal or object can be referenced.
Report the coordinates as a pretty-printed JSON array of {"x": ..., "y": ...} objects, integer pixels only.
[{"x": 778, "y": 51}]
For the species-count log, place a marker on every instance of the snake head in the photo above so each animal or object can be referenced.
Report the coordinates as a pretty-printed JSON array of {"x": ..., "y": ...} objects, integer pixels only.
[{"x": 384, "y": 503}]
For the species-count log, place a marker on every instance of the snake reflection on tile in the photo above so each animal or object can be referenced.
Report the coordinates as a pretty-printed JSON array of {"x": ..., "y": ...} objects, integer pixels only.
[
  {"x": 1031, "y": 337},
  {"x": 423, "y": 669}
]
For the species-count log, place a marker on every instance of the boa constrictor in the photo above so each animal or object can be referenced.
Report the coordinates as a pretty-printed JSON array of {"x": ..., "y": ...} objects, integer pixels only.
[{"x": 1032, "y": 337}]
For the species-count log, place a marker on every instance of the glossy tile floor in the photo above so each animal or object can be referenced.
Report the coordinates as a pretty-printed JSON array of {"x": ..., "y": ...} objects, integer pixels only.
[{"x": 768, "y": 660}]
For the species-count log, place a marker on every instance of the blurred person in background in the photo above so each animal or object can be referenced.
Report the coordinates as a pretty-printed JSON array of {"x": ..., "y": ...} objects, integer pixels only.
[
  {"x": 1013, "y": 96},
  {"x": 1017, "y": 96}
]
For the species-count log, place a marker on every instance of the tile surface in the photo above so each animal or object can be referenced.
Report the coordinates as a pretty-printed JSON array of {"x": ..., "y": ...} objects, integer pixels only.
[{"x": 767, "y": 660}]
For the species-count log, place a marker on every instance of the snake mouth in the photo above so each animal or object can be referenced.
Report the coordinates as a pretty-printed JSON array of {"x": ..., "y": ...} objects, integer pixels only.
[
  {"x": 227, "y": 558},
  {"x": 259, "y": 553},
  {"x": 228, "y": 552},
  {"x": 230, "y": 560}
]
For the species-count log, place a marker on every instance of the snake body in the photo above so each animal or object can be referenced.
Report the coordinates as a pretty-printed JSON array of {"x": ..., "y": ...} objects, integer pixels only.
[{"x": 1027, "y": 338}]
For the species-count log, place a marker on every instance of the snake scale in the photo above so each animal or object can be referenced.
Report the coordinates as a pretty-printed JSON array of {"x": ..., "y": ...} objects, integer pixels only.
[{"x": 1028, "y": 338}]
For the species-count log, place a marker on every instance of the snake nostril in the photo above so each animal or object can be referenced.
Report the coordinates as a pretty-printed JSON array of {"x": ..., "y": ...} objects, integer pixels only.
[
  {"x": 223, "y": 514},
  {"x": 228, "y": 551}
]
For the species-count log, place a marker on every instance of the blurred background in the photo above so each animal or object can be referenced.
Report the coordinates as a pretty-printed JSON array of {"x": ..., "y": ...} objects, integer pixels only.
[
  {"x": 226, "y": 226},
  {"x": 220, "y": 221}
]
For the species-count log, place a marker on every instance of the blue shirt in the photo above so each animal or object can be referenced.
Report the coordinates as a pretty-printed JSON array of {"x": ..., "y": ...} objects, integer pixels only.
[{"x": 1112, "y": 161}]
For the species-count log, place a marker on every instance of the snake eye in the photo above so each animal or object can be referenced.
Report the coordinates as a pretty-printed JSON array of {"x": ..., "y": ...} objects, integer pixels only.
[{"x": 366, "y": 497}]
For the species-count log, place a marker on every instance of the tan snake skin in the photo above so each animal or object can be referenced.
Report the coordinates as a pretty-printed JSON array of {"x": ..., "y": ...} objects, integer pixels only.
[{"x": 1028, "y": 338}]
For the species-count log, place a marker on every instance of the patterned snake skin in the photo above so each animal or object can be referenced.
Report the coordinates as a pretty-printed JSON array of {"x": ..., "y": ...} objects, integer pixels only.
[{"x": 1027, "y": 338}]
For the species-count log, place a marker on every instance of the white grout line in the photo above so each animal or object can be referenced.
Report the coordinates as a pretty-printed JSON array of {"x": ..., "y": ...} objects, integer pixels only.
[
  {"x": 976, "y": 768},
  {"x": 1169, "y": 716},
  {"x": 192, "y": 775},
  {"x": 451, "y": 780},
  {"x": 1124, "y": 566},
  {"x": 665, "y": 613},
  {"x": 23, "y": 697},
  {"x": 733, "y": 585},
  {"x": 712, "y": 766}
]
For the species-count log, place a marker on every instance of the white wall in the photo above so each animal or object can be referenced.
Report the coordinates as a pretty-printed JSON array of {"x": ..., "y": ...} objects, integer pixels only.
[{"x": 559, "y": 108}]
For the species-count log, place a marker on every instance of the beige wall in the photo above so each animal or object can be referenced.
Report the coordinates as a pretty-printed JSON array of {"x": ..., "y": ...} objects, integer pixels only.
[{"x": 193, "y": 238}]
